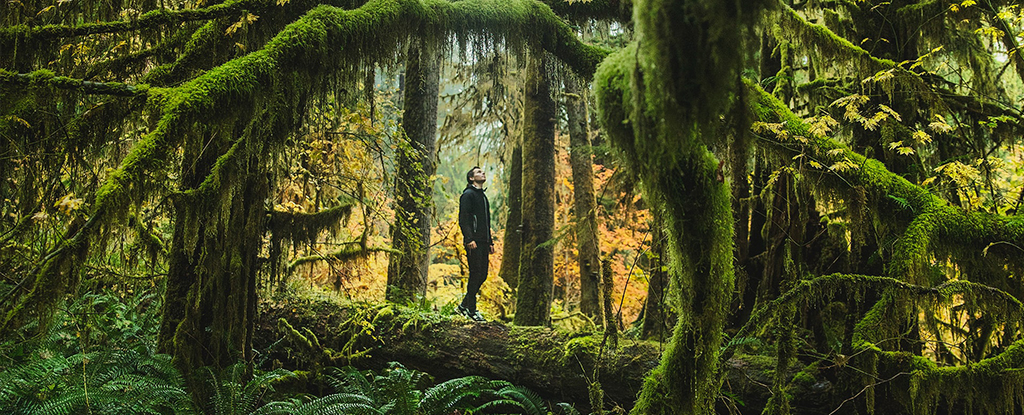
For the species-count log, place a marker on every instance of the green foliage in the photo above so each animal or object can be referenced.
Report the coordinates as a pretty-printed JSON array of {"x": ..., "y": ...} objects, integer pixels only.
[
  {"x": 233, "y": 395},
  {"x": 96, "y": 382},
  {"x": 397, "y": 390}
]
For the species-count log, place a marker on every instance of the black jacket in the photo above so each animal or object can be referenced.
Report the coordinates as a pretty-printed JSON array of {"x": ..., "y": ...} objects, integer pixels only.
[{"x": 475, "y": 217}]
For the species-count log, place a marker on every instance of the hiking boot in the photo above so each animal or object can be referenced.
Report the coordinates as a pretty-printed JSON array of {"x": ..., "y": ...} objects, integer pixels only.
[
  {"x": 477, "y": 317},
  {"x": 463, "y": 311}
]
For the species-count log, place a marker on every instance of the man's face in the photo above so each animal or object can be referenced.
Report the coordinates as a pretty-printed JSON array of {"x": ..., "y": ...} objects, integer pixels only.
[{"x": 479, "y": 176}]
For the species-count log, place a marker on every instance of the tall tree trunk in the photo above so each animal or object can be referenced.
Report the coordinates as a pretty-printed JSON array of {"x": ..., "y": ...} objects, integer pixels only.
[
  {"x": 536, "y": 265},
  {"x": 407, "y": 272},
  {"x": 513, "y": 240},
  {"x": 584, "y": 202},
  {"x": 656, "y": 319}
]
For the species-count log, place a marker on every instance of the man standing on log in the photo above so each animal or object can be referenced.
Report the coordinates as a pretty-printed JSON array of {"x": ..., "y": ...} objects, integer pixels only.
[{"x": 475, "y": 221}]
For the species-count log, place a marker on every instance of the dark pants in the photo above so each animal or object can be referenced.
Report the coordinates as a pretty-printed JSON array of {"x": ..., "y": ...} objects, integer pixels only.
[{"x": 477, "y": 259}]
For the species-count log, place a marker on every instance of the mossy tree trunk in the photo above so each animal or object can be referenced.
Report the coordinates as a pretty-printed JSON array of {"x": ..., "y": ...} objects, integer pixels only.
[
  {"x": 661, "y": 100},
  {"x": 584, "y": 201},
  {"x": 513, "y": 239},
  {"x": 536, "y": 264},
  {"x": 410, "y": 234}
]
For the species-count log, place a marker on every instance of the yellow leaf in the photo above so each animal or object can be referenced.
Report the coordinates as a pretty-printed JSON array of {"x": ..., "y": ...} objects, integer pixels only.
[
  {"x": 905, "y": 151},
  {"x": 815, "y": 164},
  {"x": 68, "y": 203},
  {"x": 921, "y": 137},
  {"x": 46, "y": 9},
  {"x": 891, "y": 112},
  {"x": 17, "y": 119}
]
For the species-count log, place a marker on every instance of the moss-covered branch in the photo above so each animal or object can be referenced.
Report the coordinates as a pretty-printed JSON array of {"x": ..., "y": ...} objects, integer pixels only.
[
  {"x": 9, "y": 35},
  {"x": 835, "y": 48},
  {"x": 300, "y": 226},
  {"x": 353, "y": 251},
  {"x": 325, "y": 40},
  {"x": 823, "y": 289},
  {"x": 620, "y": 10},
  {"x": 46, "y": 79},
  {"x": 931, "y": 225}
]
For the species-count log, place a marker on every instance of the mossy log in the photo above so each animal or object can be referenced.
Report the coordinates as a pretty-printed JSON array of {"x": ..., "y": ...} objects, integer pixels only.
[
  {"x": 557, "y": 365},
  {"x": 305, "y": 334}
]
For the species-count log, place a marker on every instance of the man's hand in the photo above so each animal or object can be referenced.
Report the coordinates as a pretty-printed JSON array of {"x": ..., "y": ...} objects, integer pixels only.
[
  {"x": 471, "y": 245},
  {"x": 492, "y": 249}
]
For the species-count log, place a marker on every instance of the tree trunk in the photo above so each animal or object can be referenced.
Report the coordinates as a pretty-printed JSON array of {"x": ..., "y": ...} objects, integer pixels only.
[
  {"x": 513, "y": 240},
  {"x": 536, "y": 265},
  {"x": 407, "y": 272},
  {"x": 656, "y": 321},
  {"x": 584, "y": 202}
]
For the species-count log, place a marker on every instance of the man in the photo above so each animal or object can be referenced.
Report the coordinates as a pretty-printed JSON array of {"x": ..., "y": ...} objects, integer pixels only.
[{"x": 475, "y": 221}]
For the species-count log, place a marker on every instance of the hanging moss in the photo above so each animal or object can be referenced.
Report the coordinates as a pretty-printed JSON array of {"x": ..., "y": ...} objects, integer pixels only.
[
  {"x": 660, "y": 102},
  {"x": 931, "y": 225}
]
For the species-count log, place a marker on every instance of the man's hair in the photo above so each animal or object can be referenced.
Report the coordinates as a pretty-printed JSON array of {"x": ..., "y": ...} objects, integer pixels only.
[{"x": 469, "y": 175}]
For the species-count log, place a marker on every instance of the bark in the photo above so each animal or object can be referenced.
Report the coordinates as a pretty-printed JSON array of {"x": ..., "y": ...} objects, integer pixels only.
[
  {"x": 513, "y": 240},
  {"x": 584, "y": 201},
  {"x": 611, "y": 324},
  {"x": 536, "y": 265},
  {"x": 656, "y": 319},
  {"x": 407, "y": 272}
]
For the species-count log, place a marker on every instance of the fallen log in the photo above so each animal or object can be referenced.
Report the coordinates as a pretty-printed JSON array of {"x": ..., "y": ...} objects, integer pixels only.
[
  {"x": 560, "y": 366},
  {"x": 310, "y": 334}
]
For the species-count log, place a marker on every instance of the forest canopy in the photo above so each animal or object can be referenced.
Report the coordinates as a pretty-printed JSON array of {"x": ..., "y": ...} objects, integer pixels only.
[{"x": 768, "y": 206}]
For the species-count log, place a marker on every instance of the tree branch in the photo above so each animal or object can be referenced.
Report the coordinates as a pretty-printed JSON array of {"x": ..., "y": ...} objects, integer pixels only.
[{"x": 46, "y": 78}]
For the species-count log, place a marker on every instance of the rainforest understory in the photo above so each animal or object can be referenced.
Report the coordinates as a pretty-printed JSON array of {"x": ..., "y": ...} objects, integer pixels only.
[{"x": 733, "y": 207}]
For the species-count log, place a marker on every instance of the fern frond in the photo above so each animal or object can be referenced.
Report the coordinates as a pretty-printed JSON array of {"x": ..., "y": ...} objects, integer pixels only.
[
  {"x": 531, "y": 402},
  {"x": 567, "y": 409},
  {"x": 453, "y": 394}
]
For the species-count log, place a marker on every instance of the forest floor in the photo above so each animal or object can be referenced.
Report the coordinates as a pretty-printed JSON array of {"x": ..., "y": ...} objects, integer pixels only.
[{"x": 308, "y": 332}]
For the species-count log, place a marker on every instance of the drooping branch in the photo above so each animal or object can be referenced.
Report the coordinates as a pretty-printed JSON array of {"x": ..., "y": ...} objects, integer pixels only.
[
  {"x": 838, "y": 49},
  {"x": 930, "y": 223},
  {"x": 326, "y": 39},
  {"x": 824, "y": 288}
]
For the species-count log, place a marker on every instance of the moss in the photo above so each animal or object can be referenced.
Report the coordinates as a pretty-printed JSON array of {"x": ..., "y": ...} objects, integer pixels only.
[{"x": 10, "y": 34}]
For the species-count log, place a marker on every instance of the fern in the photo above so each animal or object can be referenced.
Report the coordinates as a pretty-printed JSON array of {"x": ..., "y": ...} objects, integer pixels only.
[
  {"x": 231, "y": 397},
  {"x": 95, "y": 382},
  {"x": 453, "y": 394},
  {"x": 567, "y": 409},
  {"x": 521, "y": 398},
  {"x": 395, "y": 392},
  {"x": 338, "y": 403}
]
